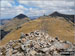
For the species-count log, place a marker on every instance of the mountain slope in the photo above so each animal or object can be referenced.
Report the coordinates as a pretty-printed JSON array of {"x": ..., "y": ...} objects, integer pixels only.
[
  {"x": 16, "y": 22},
  {"x": 55, "y": 27},
  {"x": 67, "y": 17}
]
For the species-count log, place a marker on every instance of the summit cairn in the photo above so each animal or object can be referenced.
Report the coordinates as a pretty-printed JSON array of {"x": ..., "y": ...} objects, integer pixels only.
[{"x": 36, "y": 43}]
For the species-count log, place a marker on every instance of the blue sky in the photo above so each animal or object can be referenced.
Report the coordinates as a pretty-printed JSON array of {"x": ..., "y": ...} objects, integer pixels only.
[{"x": 11, "y": 8}]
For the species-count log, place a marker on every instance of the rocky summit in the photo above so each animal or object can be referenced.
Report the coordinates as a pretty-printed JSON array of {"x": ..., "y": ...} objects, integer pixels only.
[{"x": 37, "y": 43}]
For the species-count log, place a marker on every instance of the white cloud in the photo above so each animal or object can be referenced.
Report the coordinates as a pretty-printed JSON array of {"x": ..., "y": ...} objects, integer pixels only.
[
  {"x": 12, "y": 11},
  {"x": 20, "y": 9},
  {"x": 47, "y": 3},
  {"x": 5, "y": 4},
  {"x": 36, "y": 8},
  {"x": 54, "y": 5},
  {"x": 36, "y": 12}
]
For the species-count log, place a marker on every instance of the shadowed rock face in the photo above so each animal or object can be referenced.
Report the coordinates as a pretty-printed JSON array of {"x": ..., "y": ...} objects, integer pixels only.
[
  {"x": 3, "y": 33},
  {"x": 21, "y": 16},
  {"x": 67, "y": 17}
]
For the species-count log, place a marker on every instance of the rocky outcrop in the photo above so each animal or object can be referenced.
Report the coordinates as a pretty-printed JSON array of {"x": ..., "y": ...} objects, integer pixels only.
[
  {"x": 3, "y": 33},
  {"x": 36, "y": 43}
]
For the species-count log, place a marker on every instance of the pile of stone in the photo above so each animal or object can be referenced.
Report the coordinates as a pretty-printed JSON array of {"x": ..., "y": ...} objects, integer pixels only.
[{"x": 35, "y": 43}]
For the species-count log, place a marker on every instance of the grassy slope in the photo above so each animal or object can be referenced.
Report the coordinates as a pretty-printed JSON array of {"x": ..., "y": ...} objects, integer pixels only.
[
  {"x": 14, "y": 23},
  {"x": 56, "y": 27}
]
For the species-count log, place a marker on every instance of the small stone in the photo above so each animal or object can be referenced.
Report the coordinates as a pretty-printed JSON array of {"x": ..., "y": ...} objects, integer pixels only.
[
  {"x": 32, "y": 52},
  {"x": 15, "y": 51},
  {"x": 23, "y": 47}
]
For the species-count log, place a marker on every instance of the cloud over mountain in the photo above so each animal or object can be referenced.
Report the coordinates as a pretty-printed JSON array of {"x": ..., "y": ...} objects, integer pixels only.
[{"x": 35, "y": 8}]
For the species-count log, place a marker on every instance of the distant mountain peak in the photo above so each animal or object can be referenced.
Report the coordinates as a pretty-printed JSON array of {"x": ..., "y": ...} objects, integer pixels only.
[
  {"x": 21, "y": 16},
  {"x": 66, "y": 16},
  {"x": 56, "y": 12}
]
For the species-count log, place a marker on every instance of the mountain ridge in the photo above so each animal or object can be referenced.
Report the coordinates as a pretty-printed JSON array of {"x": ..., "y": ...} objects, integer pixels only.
[
  {"x": 66, "y": 16},
  {"x": 53, "y": 26}
]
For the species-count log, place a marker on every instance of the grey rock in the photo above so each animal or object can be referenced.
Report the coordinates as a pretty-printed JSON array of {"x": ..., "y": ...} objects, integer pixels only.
[{"x": 36, "y": 43}]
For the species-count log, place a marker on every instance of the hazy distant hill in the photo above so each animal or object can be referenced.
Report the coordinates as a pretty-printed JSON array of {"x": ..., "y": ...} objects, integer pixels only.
[
  {"x": 67, "y": 17},
  {"x": 4, "y": 21},
  {"x": 34, "y": 17}
]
